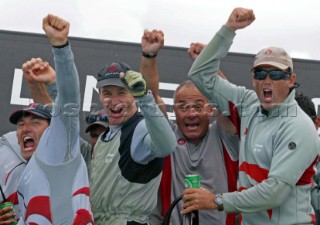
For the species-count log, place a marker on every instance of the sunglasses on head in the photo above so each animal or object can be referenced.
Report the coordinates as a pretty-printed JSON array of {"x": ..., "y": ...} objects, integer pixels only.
[
  {"x": 260, "y": 74},
  {"x": 94, "y": 118}
]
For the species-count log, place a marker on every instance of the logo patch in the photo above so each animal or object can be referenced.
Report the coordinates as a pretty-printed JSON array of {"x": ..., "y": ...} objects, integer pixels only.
[
  {"x": 112, "y": 69},
  {"x": 268, "y": 52},
  {"x": 181, "y": 141},
  {"x": 292, "y": 146}
]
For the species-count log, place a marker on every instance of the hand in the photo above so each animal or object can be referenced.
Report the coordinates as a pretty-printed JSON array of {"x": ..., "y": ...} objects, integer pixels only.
[
  {"x": 195, "y": 49},
  {"x": 152, "y": 41},
  {"x": 240, "y": 18},
  {"x": 56, "y": 29},
  {"x": 36, "y": 70},
  {"x": 134, "y": 82},
  {"x": 7, "y": 216},
  {"x": 197, "y": 199}
]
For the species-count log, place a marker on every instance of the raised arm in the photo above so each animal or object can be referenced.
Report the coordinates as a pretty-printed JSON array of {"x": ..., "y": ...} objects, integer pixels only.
[
  {"x": 227, "y": 125},
  {"x": 205, "y": 68},
  {"x": 67, "y": 103},
  {"x": 39, "y": 74},
  {"x": 151, "y": 43}
]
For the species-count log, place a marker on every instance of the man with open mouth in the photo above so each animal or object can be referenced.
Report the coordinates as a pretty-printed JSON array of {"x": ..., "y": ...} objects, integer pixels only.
[
  {"x": 203, "y": 147},
  {"x": 56, "y": 176},
  {"x": 279, "y": 144},
  {"x": 128, "y": 156}
]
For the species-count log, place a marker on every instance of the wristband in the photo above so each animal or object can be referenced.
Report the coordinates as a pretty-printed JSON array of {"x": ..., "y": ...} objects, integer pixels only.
[
  {"x": 62, "y": 46},
  {"x": 149, "y": 56}
]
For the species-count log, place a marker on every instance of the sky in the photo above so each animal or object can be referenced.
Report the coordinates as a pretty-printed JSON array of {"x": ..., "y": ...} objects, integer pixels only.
[{"x": 291, "y": 24}]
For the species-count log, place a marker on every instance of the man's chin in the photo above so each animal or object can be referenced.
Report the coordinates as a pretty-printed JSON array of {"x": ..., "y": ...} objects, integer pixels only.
[{"x": 27, "y": 153}]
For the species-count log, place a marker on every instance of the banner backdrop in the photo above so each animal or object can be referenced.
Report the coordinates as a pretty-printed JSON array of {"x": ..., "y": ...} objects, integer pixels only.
[{"x": 91, "y": 55}]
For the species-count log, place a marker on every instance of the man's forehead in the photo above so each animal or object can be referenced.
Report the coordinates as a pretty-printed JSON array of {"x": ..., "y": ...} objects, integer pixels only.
[
  {"x": 30, "y": 116},
  {"x": 267, "y": 67},
  {"x": 191, "y": 99},
  {"x": 112, "y": 87},
  {"x": 186, "y": 94}
]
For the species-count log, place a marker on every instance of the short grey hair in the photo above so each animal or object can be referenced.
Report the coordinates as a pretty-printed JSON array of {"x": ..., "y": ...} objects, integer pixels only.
[{"x": 186, "y": 83}]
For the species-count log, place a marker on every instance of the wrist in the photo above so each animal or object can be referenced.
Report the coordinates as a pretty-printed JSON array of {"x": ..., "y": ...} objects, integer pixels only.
[
  {"x": 60, "y": 44},
  {"x": 230, "y": 27},
  {"x": 218, "y": 200},
  {"x": 149, "y": 55}
]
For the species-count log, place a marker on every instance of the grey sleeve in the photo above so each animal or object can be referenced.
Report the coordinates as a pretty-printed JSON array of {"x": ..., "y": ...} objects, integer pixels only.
[
  {"x": 231, "y": 142},
  {"x": 204, "y": 70},
  {"x": 266, "y": 195},
  {"x": 153, "y": 136},
  {"x": 52, "y": 89},
  {"x": 65, "y": 117}
]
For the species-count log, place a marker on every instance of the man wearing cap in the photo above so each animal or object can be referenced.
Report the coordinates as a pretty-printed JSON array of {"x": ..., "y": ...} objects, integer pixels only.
[
  {"x": 97, "y": 124},
  {"x": 128, "y": 156},
  {"x": 54, "y": 187},
  {"x": 279, "y": 144}
]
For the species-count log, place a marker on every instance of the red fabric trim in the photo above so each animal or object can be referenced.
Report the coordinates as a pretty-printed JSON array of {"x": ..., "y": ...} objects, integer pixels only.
[
  {"x": 84, "y": 190},
  {"x": 165, "y": 185},
  {"x": 83, "y": 217},
  {"x": 313, "y": 218},
  {"x": 234, "y": 117},
  {"x": 307, "y": 176},
  {"x": 254, "y": 171},
  {"x": 39, "y": 205},
  {"x": 232, "y": 168},
  {"x": 242, "y": 188},
  {"x": 269, "y": 211},
  {"x": 13, "y": 198}
]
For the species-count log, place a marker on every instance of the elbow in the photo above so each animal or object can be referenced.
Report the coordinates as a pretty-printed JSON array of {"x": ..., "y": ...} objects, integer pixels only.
[
  {"x": 168, "y": 148},
  {"x": 277, "y": 201},
  {"x": 280, "y": 196}
]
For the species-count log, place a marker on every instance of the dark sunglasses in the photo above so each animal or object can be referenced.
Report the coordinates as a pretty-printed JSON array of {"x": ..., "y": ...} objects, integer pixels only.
[
  {"x": 94, "y": 118},
  {"x": 260, "y": 74}
]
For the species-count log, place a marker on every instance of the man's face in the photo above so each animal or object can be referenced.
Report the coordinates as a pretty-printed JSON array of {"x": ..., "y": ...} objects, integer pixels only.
[
  {"x": 118, "y": 104},
  {"x": 270, "y": 92},
  {"x": 192, "y": 112},
  {"x": 95, "y": 132},
  {"x": 29, "y": 131}
]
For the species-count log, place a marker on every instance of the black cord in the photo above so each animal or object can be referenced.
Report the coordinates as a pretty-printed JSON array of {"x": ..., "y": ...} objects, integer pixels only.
[
  {"x": 3, "y": 196},
  {"x": 166, "y": 219}
]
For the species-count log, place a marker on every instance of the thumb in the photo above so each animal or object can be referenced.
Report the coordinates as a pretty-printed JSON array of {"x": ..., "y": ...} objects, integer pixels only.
[
  {"x": 45, "y": 22},
  {"x": 121, "y": 75}
]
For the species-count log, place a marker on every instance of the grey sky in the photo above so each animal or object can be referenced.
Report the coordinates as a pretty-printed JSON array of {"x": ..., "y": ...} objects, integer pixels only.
[{"x": 291, "y": 24}]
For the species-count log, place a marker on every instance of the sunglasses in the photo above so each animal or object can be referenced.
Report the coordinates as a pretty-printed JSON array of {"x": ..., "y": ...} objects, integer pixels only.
[
  {"x": 260, "y": 74},
  {"x": 94, "y": 118}
]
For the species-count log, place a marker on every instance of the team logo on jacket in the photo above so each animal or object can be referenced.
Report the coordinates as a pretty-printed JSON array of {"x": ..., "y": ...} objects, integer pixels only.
[
  {"x": 182, "y": 141},
  {"x": 292, "y": 146}
]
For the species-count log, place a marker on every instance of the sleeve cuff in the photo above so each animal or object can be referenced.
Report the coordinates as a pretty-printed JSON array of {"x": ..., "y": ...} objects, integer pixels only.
[
  {"x": 228, "y": 202},
  {"x": 227, "y": 33}
]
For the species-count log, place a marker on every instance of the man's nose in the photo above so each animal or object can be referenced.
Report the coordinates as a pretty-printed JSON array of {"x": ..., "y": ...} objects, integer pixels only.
[
  {"x": 26, "y": 127},
  {"x": 268, "y": 79},
  {"x": 192, "y": 112}
]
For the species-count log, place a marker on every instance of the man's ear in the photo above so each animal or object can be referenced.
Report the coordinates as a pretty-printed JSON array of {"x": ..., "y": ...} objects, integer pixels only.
[
  {"x": 253, "y": 82},
  {"x": 292, "y": 80},
  {"x": 211, "y": 110},
  {"x": 174, "y": 106}
]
